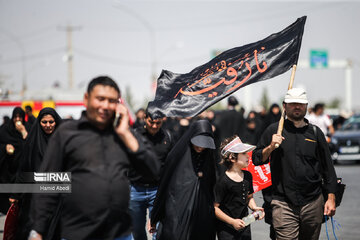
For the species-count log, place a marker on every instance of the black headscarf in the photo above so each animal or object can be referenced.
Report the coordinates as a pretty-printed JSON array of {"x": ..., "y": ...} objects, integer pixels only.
[
  {"x": 184, "y": 201},
  {"x": 18, "y": 111},
  {"x": 271, "y": 117},
  {"x": 37, "y": 140}
]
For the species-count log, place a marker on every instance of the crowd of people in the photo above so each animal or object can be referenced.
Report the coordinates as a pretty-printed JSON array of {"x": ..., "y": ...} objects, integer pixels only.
[{"x": 186, "y": 172}]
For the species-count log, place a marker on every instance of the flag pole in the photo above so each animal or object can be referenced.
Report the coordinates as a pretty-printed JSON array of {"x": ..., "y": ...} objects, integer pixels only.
[{"x": 281, "y": 122}]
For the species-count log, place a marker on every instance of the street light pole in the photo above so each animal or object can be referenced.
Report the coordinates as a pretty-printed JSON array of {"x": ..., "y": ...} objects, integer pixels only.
[
  {"x": 348, "y": 85},
  {"x": 69, "y": 29}
]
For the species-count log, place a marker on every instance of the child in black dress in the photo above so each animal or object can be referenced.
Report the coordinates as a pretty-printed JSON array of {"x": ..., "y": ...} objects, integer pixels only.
[{"x": 234, "y": 192}]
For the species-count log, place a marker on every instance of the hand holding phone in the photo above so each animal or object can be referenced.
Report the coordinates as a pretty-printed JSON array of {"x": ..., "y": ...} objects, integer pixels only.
[
  {"x": 121, "y": 120},
  {"x": 123, "y": 128}
]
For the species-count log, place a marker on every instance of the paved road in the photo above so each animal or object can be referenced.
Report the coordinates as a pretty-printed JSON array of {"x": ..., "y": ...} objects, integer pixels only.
[{"x": 348, "y": 214}]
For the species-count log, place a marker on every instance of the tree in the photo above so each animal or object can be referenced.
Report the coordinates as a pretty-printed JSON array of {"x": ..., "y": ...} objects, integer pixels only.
[
  {"x": 334, "y": 103},
  {"x": 145, "y": 102},
  {"x": 265, "y": 99},
  {"x": 217, "y": 106},
  {"x": 129, "y": 97}
]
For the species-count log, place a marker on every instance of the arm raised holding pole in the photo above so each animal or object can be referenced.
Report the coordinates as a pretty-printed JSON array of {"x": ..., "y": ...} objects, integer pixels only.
[{"x": 281, "y": 122}]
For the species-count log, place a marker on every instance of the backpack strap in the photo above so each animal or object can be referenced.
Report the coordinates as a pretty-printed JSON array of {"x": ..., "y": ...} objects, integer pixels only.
[{"x": 315, "y": 131}]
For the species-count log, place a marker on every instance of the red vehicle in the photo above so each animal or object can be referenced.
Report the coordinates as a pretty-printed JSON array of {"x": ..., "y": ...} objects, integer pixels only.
[{"x": 66, "y": 109}]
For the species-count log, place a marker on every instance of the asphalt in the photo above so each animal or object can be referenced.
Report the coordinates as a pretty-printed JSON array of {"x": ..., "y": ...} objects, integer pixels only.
[{"x": 347, "y": 215}]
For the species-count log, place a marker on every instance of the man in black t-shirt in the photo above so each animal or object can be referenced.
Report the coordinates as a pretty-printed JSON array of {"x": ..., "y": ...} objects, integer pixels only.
[
  {"x": 299, "y": 165},
  {"x": 98, "y": 155}
]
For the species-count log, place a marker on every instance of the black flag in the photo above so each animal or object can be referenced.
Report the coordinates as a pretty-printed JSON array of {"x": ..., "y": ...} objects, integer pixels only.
[{"x": 186, "y": 95}]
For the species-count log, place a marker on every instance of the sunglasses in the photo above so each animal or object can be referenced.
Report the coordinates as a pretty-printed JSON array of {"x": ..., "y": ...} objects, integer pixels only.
[{"x": 45, "y": 122}]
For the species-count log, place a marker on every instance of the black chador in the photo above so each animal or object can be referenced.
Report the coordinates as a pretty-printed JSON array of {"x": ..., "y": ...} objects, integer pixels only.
[
  {"x": 9, "y": 163},
  {"x": 34, "y": 150},
  {"x": 184, "y": 204}
]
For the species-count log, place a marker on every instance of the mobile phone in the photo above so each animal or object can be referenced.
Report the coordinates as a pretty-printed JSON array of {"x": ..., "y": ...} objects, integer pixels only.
[
  {"x": 117, "y": 116},
  {"x": 116, "y": 120}
]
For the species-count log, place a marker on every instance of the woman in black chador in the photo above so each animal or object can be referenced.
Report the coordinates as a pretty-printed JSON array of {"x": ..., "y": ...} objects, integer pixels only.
[
  {"x": 184, "y": 202},
  {"x": 44, "y": 126},
  {"x": 42, "y": 129},
  {"x": 12, "y": 140}
]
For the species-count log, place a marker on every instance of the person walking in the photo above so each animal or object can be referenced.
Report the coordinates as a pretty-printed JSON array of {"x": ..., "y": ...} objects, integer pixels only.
[
  {"x": 29, "y": 117},
  {"x": 184, "y": 204},
  {"x": 299, "y": 165},
  {"x": 98, "y": 152},
  {"x": 143, "y": 189},
  {"x": 272, "y": 116},
  {"x": 320, "y": 119},
  {"x": 12, "y": 141},
  {"x": 230, "y": 122},
  {"x": 36, "y": 143},
  {"x": 234, "y": 192}
]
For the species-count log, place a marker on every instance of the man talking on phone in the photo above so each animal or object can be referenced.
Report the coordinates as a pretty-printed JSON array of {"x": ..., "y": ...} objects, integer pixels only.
[{"x": 98, "y": 153}]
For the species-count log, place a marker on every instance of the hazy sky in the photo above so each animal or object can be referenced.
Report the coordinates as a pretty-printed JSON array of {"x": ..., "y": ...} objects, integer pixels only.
[{"x": 128, "y": 39}]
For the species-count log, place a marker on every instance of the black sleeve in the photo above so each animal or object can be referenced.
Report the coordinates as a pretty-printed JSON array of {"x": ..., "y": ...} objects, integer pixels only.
[
  {"x": 45, "y": 204},
  {"x": 144, "y": 160},
  {"x": 220, "y": 191},
  {"x": 170, "y": 137},
  {"x": 264, "y": 141},
  {"x": 327, "y": 166},
  {"x": 3, "y": 156},
  {"x": 2, "y": 143},
  {"x": 251, "y": 190}
]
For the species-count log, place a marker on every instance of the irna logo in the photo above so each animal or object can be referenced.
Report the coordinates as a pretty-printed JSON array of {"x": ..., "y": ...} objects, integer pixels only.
[{"x": 52, "y": 177}]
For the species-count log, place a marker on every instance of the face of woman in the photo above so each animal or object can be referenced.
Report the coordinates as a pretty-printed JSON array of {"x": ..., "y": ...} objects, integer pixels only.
[
  {"x": 198, "y": 149},
  {"x": 48, "y": 123},
  {"x": 17, "y": 118}
]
